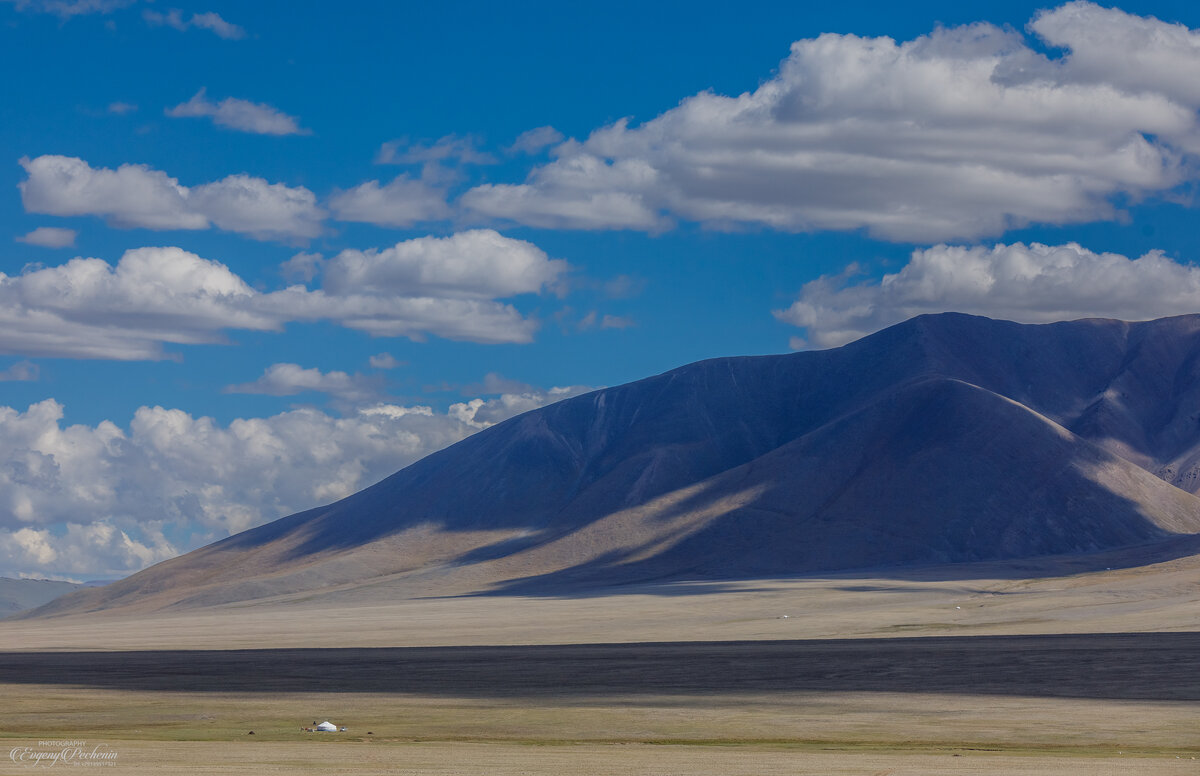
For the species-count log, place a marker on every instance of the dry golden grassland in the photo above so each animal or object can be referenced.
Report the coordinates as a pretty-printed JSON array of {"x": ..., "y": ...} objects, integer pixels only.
[
  {"x": 501, "y": 759},
  {"x": 846, "y": 696},
  {"x": 996, "y": 600},
  {"x": 801, "y": 733}
]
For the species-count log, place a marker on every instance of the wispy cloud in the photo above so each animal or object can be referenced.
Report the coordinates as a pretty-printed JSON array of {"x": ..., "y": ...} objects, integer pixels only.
[
  {"x": 245, "y": 116},
  {"x": 203, "y": 21},
  {"x": 302, "y": 267},
  {"x": 594, "y": 320},
  {"x": 20, "y": 372},
  {"x": 49, "y": 237},
  {"x": 65, "y": 9},
  {"x": 494, "y": 383},
  {"x": 534, "y": 140},
  {"x": 456, "y": 148},
  {"x": 285, "y": 379},
  {"x": 384, "y": 361}
]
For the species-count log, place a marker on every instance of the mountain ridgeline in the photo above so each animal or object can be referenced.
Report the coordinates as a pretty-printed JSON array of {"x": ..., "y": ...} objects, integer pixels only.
[{"x": 945, "y": 439}]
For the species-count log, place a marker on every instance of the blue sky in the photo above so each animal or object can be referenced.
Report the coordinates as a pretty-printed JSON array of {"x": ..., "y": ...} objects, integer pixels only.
[{"x": 257, "y": 256}]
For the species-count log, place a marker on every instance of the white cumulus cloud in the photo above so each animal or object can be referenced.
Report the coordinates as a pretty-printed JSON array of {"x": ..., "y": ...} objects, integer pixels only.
[
  {"x": 450, "y": 287},
  {"x": 136, "y": 195},
  {"x": 401, "y": 203},
  {"x": 88, "y": 308},
  {"x": 578, "y": 191},
  {"x": 1133, "y": 53},
  {"x": 133, "y": 195},
  {"x": 1032, "y": 283},
  {"x": 957, "y": 134},
  {"x": 81, "y": 550},
  {"x": 101, "y": 500},
  {"x": 241, "y": 203},
  {"x": 388, "y": 315},
  {"x": 479, "y": 263}
]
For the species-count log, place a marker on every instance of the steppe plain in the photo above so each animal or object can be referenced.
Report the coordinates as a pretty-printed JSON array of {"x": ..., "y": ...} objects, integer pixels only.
[
  {"x": 523, "y": 620},
  {"x": 1030, "y": 668}
]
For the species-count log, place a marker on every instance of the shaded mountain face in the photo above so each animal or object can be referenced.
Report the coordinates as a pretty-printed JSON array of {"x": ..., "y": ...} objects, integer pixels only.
[
  {"x": 18, "y": 595},
  {"x": 947, "y": 438}
]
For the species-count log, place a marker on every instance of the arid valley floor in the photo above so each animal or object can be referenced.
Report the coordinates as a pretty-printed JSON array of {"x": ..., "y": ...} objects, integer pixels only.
[{"x": 943, "y": 671}]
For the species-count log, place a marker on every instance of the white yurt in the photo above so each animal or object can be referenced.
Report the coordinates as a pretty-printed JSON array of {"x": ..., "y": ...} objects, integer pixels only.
[{"x": 327, "y": 727}]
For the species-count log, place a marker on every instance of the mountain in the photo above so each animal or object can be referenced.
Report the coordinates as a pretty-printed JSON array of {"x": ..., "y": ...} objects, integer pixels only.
[
  {"x": 945, "y": 439},
  {"x": 17, "y": 595}
]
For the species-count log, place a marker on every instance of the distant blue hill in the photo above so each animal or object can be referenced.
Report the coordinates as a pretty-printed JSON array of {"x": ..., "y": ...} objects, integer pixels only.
[{"x": 17, "y": 595}]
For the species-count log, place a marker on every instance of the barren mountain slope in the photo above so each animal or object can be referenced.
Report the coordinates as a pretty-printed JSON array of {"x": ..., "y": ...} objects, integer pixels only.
[{"x": 945, "y": 438}]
